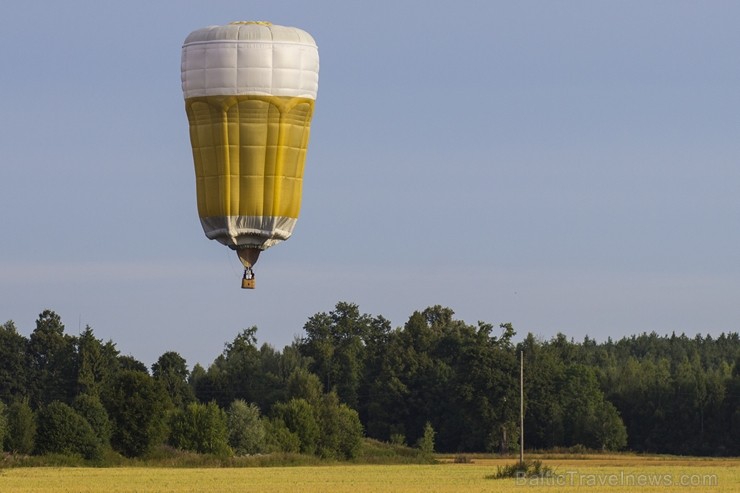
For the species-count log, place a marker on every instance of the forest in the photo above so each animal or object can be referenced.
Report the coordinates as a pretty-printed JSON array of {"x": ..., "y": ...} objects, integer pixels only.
[{"x": 436, "y": 383}]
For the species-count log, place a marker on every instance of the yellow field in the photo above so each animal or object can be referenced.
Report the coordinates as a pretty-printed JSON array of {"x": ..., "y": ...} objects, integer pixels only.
[{"x": 593, "y": 474}]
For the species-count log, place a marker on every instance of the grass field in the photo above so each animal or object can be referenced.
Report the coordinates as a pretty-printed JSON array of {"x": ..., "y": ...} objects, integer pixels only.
[{"x": 598, "y": 473}]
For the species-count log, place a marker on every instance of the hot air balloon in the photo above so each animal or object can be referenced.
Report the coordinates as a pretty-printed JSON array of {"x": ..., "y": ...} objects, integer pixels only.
[{"x": 249, "y": 90}]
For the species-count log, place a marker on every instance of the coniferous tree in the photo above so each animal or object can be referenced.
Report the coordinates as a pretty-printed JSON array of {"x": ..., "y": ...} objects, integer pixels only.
[
  {"x": 52, "y": 362},
  {"x": 353, "y": 372},
  {"x": 13, "y": 363},
  {"x": 97, "y": 362}
]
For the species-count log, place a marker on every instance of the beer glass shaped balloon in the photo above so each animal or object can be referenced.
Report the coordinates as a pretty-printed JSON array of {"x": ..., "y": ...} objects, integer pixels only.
[{"x": 249, "y": 91}]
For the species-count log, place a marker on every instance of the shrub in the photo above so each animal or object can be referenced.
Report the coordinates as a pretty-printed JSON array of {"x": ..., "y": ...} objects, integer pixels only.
[
  {"x": 350, "y": 432},
  {"x": 398, "y": 439},
  {"x": 21, "y": 432},
  {"x": 246, "y": 429},
  {"x": 200, "y": 428},
  {"x": 300, "y": 418},
  {"x": 375, "y": 452},
  {"x": 526, "y": 469},
  {"x": 426, "y": 442},
  {"x": 60, "y": 430},
  {"x": 278, "y": 438},
  {"x": 90, "y": 408}
]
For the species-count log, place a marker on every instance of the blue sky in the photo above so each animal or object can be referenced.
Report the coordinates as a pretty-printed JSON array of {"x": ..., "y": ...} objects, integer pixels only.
[{"x": 564, "y": 166}]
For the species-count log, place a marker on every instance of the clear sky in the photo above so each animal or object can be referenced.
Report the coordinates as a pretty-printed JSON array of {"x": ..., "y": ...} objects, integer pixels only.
[{"x": 565, "y": 166}]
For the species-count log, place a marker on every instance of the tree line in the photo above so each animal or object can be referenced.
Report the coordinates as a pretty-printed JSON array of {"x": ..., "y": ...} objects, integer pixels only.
[{"x": 353, "y": 375}]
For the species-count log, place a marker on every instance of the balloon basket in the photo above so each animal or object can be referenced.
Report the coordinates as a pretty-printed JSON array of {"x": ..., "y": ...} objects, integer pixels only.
[{"x": 248, "y": 279}]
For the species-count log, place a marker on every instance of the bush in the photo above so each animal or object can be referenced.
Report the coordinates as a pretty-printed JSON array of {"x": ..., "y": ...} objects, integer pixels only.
[
  {"x": 246, "y": 429},
  {"x": 60, "y": 430},
  {"x": 398, "y": 439},
  {"x": 526, "y": 469},
  {"x": 375, "y": 452},
  {"x": 90, "y": 408},
  {"x": 426, "y": 442},
  {"x": 300, "y": 418},
  {"x": 350, "y": 432},
  {"x": 200, "y": 428},
  {"x": 340, "y": 429},
  {"x": 278, "y": 438},
  {"x": 21, "y": 432}
]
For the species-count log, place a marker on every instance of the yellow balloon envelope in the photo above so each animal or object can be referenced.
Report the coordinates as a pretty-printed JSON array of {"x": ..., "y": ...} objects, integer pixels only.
[{"x": 249, "y": 91}]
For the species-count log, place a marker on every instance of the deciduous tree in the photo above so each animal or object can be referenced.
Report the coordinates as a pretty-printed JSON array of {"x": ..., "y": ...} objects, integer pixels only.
[
  {"x": 61, "y": 430},
  {"x": 246, "y": 428},
  {"x": 136, "y": 405},
  {"x": 201, "y": 428},
  {"x": 21, "y": 433}
]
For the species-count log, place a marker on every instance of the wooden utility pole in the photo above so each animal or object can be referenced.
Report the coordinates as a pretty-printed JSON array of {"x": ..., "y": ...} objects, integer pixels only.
[{"x": 521, "y": 408}]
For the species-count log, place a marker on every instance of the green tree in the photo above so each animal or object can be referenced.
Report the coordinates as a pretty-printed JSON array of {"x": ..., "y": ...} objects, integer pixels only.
[
  {"x": 336, "y": 344},
  {"x": 438, "y": 369},
  {"x": 384, "y": 408},
  {"x": 201, "y": 384},
  {"x": 327, "y": 414},
  {"x": 246, "y": 428},
  {"x": 235, "y": 374},
  {"x": 201, "y": 428},
  {"x": 278, "y": 438},
  {"x": 13, "y": 363},
  {"x": 375, "y": 386},
  {"x": 426, "y": 442},
  {"x": 61, "y": 430},
  {"x": 272, "y": 377},
  {"x": 21, "y": 433},
  {"x": 588, "y": 419},
  {"x": 171, "y": 371},
  {"x": 319, "y": 345},
  {"x": 89, "y": 407},
  {"x": 607, "y": 428},
  {"x": 96, "y": 361},
  {"x": 543, "y": 418},
  {"x": 300, "y": 418},
  {"x": 129, "y": 363},
  {"x": 350, "y": 432},
  {"x": 136, "y": 405},
  {"x": 302, "y": 384},
  {"x": 51, "y": 356},
  {"x": 245, "y": 372},
  {"x": 731, "y": 409}
]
